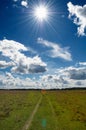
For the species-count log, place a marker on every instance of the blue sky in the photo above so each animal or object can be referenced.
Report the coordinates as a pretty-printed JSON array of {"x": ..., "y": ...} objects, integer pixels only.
[{"x": 47, "y": 53}]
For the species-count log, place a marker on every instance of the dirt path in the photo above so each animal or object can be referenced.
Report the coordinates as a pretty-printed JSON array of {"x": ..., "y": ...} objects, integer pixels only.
[{"x": 28, "y": 122}]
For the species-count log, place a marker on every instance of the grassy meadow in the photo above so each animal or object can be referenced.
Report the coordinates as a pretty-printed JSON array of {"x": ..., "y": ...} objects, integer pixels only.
[{"x": 58, "y": 110}]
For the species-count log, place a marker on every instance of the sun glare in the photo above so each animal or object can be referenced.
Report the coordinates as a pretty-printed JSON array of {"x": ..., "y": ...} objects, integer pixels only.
[{"x": 41, "y": 13}]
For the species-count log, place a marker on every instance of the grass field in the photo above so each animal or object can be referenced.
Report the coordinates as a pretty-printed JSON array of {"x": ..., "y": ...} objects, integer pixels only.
[{"x": 58, "y": 110}]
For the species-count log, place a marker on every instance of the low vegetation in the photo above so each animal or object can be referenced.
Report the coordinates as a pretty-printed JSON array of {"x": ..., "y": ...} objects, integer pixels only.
[
  {"x": 15, "y": 108},
  {"x": 58, "y": 110}
]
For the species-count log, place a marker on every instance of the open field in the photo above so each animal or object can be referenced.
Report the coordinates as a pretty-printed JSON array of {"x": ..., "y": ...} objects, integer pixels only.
[{"x": 43, "y": 110}]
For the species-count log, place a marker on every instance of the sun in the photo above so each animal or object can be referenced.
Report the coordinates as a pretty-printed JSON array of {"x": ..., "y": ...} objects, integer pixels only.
[{"x": 41, "y": 13}]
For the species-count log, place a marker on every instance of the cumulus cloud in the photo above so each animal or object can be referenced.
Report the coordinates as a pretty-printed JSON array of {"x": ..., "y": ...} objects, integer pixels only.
[
  {"x": 78, "y": 14},
  {"x": 24, "y": 3},
  {"x": 75, "y": 73},
  {"x": 20, "y": 63},
  {"x": 4, "y": 64},
  {"x": 37, "y": 68},
  {"x": 78, "y": 73},
  {"x": 15, "y": 58},
  {"x": 68, "y": 77},
  {"x": 8, "y": 81},
  {"x": 55, "y": 50},
  {"x": 30, "y": 65}
]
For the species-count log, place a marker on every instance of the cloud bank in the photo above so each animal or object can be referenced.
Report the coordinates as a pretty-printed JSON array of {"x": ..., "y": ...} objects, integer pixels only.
[
  {"x": 78, "y": 14},
  {"x": 67, "y": 77}
]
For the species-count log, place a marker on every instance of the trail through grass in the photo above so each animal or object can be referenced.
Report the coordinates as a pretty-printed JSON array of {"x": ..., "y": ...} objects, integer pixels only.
[
  {"x": 61, "y": 110},
  {"x": 16, "y": 107},
  {"x": 57, "y": 110},
  {"x": 28, "y": 122},
  {"x": 44, "y": 118}
]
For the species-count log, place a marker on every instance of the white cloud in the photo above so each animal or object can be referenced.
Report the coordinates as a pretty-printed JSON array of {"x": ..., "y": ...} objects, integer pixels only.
[
  {"x": 8, "y": 81},
  {"x": 56, "y": 50},
  {"x": 78, "y": 73},
  {"x": 75, "y": 73},
  {"x": 4, "y": 64},
  {"x": 78, "y": 14},
  {"x": 14, "y": 51},
  {"x": 30, "y": 65},
  {"x": 24, "y": 3},
  {"x": 68, "y": 77},
  {"x": 82, "y": 63}
]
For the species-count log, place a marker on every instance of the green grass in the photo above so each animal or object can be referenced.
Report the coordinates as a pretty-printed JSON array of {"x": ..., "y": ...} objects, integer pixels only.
[
  {"x": 62, "y": 110},
  {"x": 70, "y": 107},
  {"x": 58, "y": 110},
  {"x": 15, "y": 108}
]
